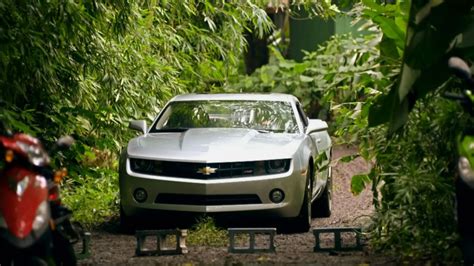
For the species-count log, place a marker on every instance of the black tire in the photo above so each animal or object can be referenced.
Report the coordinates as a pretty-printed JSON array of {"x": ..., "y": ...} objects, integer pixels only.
[
  {"x": 322, "y": 207},
  {"x": 64, "y": 253},
  {"x": 30, "y": 261},
  {"x": 127, "y": 224},
  {"x": 37, "y": 261},
  {"x": 302, "y": 222},
  {"x": 464, "y": 199}
]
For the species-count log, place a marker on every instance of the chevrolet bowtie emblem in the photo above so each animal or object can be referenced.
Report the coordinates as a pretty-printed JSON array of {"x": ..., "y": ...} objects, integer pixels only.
[{"x": 206, "y": 170}]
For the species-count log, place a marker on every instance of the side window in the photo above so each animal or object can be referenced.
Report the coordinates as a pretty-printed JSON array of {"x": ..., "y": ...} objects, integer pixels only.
[{"x": 302, "y": 115}]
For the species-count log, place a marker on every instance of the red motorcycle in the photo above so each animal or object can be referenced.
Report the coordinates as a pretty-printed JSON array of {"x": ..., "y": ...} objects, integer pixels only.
[{"x": 34, "y": 226}]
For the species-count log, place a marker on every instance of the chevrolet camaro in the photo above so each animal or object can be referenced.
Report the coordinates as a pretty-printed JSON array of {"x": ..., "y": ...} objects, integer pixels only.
[{"x": 229, "y": 153}]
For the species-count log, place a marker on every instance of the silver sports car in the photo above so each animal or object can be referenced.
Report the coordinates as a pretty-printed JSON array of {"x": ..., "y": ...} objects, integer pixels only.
[{"x": 229, "y": 153}]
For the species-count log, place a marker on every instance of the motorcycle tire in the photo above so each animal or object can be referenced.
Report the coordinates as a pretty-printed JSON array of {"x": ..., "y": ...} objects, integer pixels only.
[
  {"x": 27, "y": 259},
  {"x": 64, "y": 253},
  {"x": 464, "y": 198},
  {"x": 40, "y": 253}
]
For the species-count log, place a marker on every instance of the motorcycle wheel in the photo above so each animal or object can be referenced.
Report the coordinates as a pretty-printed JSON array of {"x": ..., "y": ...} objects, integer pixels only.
[
  {"x": 64, "y": 253},
  {"x": 26, "y": 260},
  {"x": 464, "y": 198},
  {"x": 37, "y": 261}
]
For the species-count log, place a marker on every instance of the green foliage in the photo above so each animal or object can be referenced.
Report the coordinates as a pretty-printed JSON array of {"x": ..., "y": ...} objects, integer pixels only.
[
  {"x": 412, "y": 172},
  {"x": 392, "y": 21},
  {"x": 93, "y": 195},
  {"x": 339, "y": 72},
  {"x": 206, "y": 233},
  {"x": 411, "y": 175},
  {"x": 319, "y": 8},
  {"x": 87, "y": 67},
  {"x": 358, "y": 183},
  {"x": 431, "y": 41},
  {"x": 415, "y": 214}
]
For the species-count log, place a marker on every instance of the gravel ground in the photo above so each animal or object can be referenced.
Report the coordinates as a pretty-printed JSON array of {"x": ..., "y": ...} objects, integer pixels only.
[{"x": 110, "y": 247}]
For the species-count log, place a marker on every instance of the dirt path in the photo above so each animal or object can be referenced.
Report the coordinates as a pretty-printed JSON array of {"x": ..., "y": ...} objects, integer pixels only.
[{"x": 348, "y": 210}]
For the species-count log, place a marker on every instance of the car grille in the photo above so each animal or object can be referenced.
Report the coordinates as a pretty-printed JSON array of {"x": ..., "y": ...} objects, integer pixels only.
[
  {"x": 188, "y": 199},
  {"x": 209, "y": 171},
  {"x": 203, "y": 171}
]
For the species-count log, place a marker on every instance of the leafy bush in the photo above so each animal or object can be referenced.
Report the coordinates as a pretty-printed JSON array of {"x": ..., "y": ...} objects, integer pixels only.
[
  {"x": 412, "y": 172},
  {"x": 206, "y": 233},
  {"x": 344, "y": 69},
  {"x": 415, "y": 212},
  {"x": 88, "y": 67},
  {"x": 92, "y": 195}
]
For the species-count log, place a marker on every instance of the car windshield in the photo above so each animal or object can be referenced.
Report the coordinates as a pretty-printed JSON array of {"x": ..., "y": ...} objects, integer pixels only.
[{"x": 265, "y": 116}]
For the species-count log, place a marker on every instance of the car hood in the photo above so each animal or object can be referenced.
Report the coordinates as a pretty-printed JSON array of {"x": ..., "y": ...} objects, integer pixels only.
[{"x": 215, "y": 145}]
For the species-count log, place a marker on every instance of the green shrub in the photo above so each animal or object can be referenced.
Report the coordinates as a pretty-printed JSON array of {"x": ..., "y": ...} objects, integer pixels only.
[
  {"x": 415, "y": 168},
  {"x": 92, "y": 195},
  {"x": 206, "y": 233},
  {"x": 412, "y": 171}
]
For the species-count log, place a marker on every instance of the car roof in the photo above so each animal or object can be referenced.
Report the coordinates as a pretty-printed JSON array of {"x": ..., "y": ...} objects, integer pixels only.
[{"x": 277, "y": 97}]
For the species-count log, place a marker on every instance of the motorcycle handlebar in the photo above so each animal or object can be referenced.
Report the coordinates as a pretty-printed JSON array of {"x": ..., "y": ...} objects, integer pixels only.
[
  {"x": 4, "y": 130},
  {"x": 462, "y": 70},
  {"x": 454, "y": 96}
]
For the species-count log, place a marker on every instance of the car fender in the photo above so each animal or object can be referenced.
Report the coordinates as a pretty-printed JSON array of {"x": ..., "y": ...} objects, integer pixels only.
[
  {"x": 305, "y": 155},
  {"x": 122, "y": 172},
  {"x": 313, "y": 153}
]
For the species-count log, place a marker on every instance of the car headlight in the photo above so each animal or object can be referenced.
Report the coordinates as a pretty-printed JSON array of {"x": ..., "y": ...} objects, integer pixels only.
[
  {"x": 42, "y": 216},
  {"x": 466, "y": 172},
  {"x": 141, "y": 166},
  {"x": 146, "y": 166},
  {"x": 35, "y": 154},
  {"x": 277, "y": 166}
]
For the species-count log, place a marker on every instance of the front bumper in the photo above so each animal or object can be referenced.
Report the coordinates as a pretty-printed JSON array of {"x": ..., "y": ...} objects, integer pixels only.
[{"x": 241, "y": 194}]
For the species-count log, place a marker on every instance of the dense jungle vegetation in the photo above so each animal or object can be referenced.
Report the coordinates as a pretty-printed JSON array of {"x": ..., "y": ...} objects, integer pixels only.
[{"x": 86, "y": 68}]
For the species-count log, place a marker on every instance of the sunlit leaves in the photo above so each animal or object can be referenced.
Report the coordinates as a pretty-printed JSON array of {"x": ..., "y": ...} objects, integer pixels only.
[
  {"x": 320, "y": 8},
  {"x": 113, "y": 61},
  {"x": 88, "y": 67},
  {"x": 358, "y": 183},
  {"x": 432, "y": 39}
]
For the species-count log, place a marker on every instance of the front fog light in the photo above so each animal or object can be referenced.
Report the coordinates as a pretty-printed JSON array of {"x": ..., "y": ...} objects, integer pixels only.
[
  {"x": 465, "y": 171},
  {"x": 140, "y": 195},
  {"x": 277, "y": 195}
]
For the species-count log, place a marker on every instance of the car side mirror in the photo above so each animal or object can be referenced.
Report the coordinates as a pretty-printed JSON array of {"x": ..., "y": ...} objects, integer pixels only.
[
  {"x": 139, "y": 125},
  {"x": 315, "y": 125}
]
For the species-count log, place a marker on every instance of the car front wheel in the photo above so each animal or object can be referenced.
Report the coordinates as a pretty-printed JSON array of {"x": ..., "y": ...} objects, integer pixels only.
[
  {"x": 302, "y": 222},
  {"x": 322, "y": 207},
  {"x": 127, "y": 223}
]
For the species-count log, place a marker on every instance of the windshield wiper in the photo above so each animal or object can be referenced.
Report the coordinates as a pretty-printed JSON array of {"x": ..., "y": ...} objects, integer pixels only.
[
  {"x": 175, "y": 129},
  {"x": 268, "y": 130}
]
